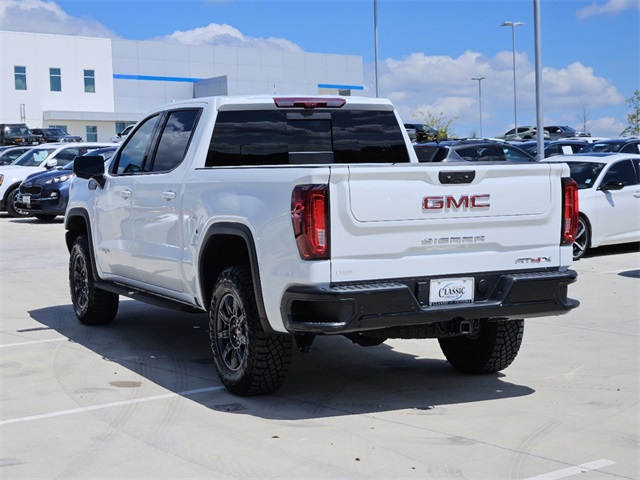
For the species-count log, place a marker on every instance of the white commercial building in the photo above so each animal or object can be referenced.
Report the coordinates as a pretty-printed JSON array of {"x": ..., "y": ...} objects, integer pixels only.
[{"x": 94, "y": 87}]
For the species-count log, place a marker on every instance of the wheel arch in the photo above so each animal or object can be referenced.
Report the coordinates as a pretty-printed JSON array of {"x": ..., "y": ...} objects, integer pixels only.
[
  {"x": 226, "y": 244},
  {"x": 585, "y": 217},
  {"x": 8, "y": 191},
  {"x": 77, "y": 223}
]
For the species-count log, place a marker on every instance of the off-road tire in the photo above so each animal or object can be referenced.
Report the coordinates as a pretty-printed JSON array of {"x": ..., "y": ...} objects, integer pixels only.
[
  {"x": 248, "y": 360},
  {"x": 11, "y": 207},
  {"x": 490, "y": 350},
  {"x": 583, "y": 238},
  {"x": 92, "y": 305}
]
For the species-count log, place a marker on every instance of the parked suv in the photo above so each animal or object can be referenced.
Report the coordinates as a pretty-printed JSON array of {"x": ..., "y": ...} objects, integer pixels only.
[
  {"x": 37, "y": 159},
  {"x": 524, "y": 133},
  {"x": 55, "y": 135},
  {"x": 18, "y": 134},
  {"x": 45, "y": 194},
  {"x": 616, "y": 145},
  {"x": 564, "y": 131},
  {"x": 471, "y": 150},
  {"x": 9, "y": 153},
  {"x": 564, "y": 146}
]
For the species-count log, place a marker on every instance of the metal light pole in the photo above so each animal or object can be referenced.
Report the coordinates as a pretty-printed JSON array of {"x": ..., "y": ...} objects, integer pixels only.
[
  {"x": 375, "y": 35},
  {"x": 513, "y": 26},
  {"x": 479, "y": 79},
  {"x": 538, "y": 54}
]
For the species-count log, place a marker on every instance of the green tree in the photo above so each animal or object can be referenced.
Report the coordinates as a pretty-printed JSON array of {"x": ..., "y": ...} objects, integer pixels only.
[
  {"x": 442, "y": 124},
  {"x": 633, "y": 117}
]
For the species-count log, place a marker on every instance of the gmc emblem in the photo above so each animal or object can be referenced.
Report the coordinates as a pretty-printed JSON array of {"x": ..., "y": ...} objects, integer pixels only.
[{"x": 448, "y": 202}]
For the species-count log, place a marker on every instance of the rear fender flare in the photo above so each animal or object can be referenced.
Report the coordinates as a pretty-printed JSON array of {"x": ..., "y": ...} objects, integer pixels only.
[{"x": 243, "y": 234}]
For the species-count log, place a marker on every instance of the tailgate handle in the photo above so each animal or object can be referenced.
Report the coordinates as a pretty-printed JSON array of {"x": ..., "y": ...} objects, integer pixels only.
[{"x": 456, "y": 177}]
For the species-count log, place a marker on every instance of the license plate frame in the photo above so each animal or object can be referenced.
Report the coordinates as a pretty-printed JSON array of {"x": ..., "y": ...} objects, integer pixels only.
[
  {"x": 26, "y": 199},
  {"x": 451, "y": 291}
]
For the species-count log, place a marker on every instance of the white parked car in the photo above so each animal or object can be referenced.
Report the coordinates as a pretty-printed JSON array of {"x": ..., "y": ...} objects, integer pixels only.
[
  {"x": 609, "y": 198},
  {"x": 34, "y": 160},
  {"x": 120, "y": 136},
  {"x": 524, "y": 133}
]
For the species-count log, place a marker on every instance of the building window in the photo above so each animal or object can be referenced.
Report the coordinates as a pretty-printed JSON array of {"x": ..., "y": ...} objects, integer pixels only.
[
  {"x": 90, "y": 81},
  {"x": 55, "y": 79},
  {"x": 92, "y": 133},
  {"x": 20, "y": 74}
]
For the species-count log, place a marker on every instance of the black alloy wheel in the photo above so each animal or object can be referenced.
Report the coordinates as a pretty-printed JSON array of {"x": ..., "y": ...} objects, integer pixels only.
[{"x": 248, "y": 360}]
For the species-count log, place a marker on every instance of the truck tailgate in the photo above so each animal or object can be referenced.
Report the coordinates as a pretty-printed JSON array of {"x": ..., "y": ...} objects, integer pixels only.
[{"x": 424, "y": 220}]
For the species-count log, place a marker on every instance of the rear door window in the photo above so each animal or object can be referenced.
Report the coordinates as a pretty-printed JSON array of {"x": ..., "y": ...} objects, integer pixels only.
[
  {"x": 621, "y": 172},
  {"x": 514, "y": 155},
  {"x": 630, "y": 148},
  {"x": 175, "y": 139},
  {"x": 66, "y": 155}
]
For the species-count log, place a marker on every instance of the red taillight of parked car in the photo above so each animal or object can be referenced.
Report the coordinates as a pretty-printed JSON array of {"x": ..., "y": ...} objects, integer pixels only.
[
  {"x": 310, "y": 218},
  {"x": 569, "y": 211}
]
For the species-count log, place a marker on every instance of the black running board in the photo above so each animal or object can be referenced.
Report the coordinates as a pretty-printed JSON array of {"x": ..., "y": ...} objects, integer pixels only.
[{"x": 147, "y": 297}]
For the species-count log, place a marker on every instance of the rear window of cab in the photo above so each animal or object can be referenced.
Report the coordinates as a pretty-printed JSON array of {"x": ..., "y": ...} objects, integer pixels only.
[{"x": 275, "y": 137}]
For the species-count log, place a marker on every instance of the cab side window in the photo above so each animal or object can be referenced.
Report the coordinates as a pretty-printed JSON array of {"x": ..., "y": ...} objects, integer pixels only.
[
  {"x": 134, "y": 154},
  {"x": 175, "y": 139}
]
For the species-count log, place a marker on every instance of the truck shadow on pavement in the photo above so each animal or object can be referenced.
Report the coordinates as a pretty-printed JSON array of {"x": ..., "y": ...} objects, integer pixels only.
[
  {"x": 336, "y": 378},
  {"x": 33, "y": 220}
]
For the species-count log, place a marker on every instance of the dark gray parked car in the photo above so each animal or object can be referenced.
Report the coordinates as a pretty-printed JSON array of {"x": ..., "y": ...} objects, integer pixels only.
[
  {"x": 564, "y": 131},
  {"x": 18, "y": 134},
  {"x": 471, "y": 150},
  {"x": 55, "y": 135}
]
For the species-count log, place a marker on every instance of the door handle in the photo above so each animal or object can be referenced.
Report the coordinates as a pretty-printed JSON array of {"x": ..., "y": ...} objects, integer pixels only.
[
  {"x": 126, "y": 194},
  {"x": 169, "y": 195}
]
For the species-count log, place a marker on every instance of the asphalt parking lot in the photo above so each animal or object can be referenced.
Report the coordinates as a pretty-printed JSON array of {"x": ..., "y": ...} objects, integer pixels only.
[{"x": 141, "y": 399}]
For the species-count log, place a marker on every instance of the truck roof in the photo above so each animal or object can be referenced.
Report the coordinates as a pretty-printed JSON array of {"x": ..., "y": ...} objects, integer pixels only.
[{"x": 268, "y": 101}]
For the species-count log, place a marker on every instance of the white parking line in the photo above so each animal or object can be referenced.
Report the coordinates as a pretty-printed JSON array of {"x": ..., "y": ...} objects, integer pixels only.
[
  {"x": 33, "y": 342},
  {"x": 108, "y": 405},
  {"x": 567, "y": 472}
]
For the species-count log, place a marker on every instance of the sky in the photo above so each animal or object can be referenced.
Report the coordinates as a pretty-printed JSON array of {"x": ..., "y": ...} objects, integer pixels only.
[{"x": 428, "y": 50}]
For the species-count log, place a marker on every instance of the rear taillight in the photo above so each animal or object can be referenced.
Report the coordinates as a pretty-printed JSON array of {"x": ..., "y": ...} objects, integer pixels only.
[
  {"x": 569, "y": 211},
  {"x": 310, "y": 218}
]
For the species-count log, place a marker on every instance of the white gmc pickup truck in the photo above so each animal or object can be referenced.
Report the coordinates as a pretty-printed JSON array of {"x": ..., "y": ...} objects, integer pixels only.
[{"x": 290, "y": 217}]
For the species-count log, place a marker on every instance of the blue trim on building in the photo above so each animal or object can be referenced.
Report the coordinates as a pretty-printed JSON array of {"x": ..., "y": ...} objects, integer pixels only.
[
  {"x": 340, "y": 87},
  {"x": 120, "y": 76},
  {"x": 151, "y": 78}
]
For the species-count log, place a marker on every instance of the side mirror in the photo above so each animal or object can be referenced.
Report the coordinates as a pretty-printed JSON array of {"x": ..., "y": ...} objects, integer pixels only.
[
  {"x": 119, "y": 134},
  {"x": 90, "y": 167},
  {"x": 50, "y": 163},
  {"x": 612, "y": 186}
]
